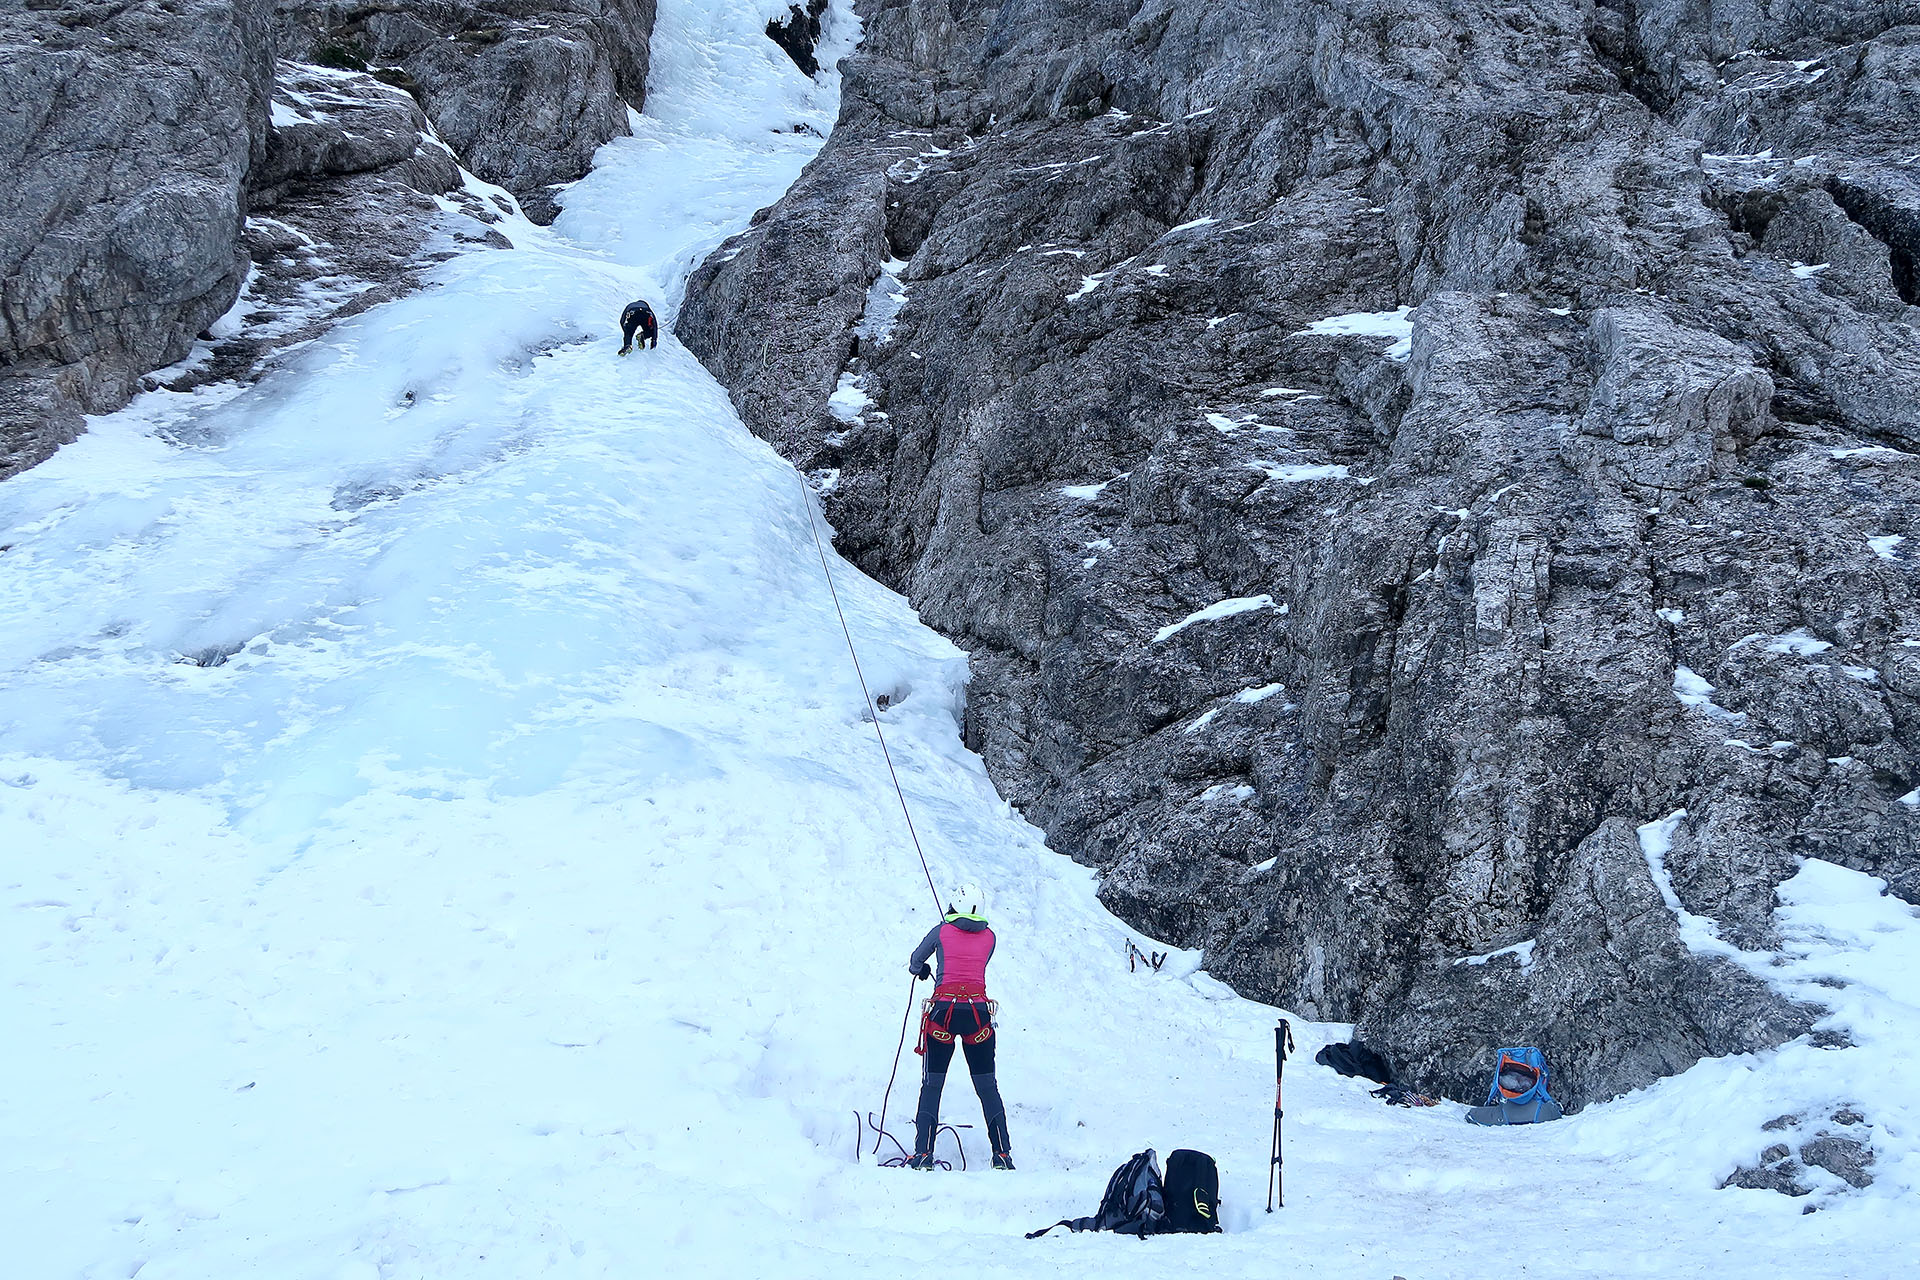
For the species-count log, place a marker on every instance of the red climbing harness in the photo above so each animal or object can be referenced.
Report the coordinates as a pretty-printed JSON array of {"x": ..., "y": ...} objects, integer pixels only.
[{"x": 952, "y": 995}]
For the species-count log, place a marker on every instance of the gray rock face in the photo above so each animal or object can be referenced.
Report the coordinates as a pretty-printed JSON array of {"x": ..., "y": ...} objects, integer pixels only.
[
  {"x": 524, "y": 90},
  {"x": 1847, "y": 1155},
  {"x": 330, "y": 124},
  {"x": 129, "y": 130},
  {"x": 1602, "y": 526},
  {"x": 798, "y": 33},
  {"x": 353, "y": 200},
  {"x": 1847, "y": 1159},
  {"x": 141, "y": 132},
  {"x": 1776, "y": 1171}
]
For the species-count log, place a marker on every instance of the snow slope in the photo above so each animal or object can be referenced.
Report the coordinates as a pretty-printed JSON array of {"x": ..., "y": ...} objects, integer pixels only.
[{"x": 440, "y": 835}]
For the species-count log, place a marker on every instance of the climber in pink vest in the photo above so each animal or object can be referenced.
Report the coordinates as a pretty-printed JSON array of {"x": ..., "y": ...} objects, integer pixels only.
[{"x": 959, "y": 1012}]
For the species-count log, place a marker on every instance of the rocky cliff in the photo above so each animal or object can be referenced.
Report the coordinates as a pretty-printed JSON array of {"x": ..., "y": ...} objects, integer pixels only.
[
  {"x": 1424, "y": 485},
  {"x": 128, "y": 131},
  {"x": 169, "y": 152},
  {"x": 524, "y": 91}
]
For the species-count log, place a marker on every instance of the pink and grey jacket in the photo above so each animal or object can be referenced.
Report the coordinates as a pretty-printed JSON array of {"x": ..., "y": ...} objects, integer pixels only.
[{"x": 963, "y": 947}]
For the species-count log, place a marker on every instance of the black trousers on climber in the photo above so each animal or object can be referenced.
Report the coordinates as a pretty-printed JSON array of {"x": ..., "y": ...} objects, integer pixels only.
[
  {"x": 638, "y": 316},
  {"x": 959, "y": 1022}
]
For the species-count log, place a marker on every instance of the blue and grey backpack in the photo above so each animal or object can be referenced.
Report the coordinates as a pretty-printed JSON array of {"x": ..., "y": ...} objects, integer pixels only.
[
  {"x": 1139, "y": 1203},
  {"x": 1134, "y": 1202},
  {"x": 1518, "y": 1092}
]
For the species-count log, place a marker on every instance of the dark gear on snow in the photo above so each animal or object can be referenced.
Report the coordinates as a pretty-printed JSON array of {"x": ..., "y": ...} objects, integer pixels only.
[
  {"x": 1191, "y": 1193},
  {"x": 638, "y": 315},
  {"x": 1134, "y": 1202},
  {"x": 1139, "y": 1202},
  {"x": 1355, "y": 1059},
  {"x": 1276, "y": 1169}
]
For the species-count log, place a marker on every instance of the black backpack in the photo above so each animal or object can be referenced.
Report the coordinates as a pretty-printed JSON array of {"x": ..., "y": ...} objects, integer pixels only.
[
  {"x": 1191, "y": 1193},
  {"x": 1134, "y": 1202}
]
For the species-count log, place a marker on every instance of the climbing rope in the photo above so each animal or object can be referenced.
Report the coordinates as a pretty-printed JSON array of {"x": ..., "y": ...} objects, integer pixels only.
[
  {"x": 873, "y": 714},
  {"x": 902, "y": 1160},
  {"x": 880, "y": 1125}
]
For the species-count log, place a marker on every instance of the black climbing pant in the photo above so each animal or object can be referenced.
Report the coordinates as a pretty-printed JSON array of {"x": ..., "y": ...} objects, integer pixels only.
[
  {"x": 960, "y": 1020},
  {"x": 648, "y": 327}
]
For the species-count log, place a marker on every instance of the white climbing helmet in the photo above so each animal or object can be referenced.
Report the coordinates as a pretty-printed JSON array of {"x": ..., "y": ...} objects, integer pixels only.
[{"x": 967, "y": 900}]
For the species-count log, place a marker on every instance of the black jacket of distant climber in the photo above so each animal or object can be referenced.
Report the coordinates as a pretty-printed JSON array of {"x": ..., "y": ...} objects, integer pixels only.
[{"x": 638, "y": 315}]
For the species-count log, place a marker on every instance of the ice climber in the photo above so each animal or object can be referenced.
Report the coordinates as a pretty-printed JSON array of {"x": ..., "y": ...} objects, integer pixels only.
[
  {"x": 958, "y": 1013},
  {"x": 639, "y": 315}
]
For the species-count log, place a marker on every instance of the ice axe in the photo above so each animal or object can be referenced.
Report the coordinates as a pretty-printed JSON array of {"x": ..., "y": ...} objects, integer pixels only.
[{"x": 1276, "y": 1170}]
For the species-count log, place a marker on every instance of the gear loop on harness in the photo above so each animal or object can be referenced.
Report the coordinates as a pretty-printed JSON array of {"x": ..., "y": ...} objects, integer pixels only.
[{"x": 943, "y": 1031}]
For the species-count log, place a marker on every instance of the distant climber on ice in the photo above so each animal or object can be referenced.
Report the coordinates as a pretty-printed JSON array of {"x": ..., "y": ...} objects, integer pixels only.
[
  {"x": 639, "y": 315},
  {"x": 958, "y": 1012}
]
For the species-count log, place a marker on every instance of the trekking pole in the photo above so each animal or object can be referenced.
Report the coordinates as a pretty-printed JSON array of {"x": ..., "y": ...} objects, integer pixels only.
[{"x": 1276, "y": 1168}]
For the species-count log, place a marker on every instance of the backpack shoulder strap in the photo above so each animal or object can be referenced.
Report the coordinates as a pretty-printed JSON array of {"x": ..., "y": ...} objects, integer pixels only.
[{"x": 1071, "y": 1224}]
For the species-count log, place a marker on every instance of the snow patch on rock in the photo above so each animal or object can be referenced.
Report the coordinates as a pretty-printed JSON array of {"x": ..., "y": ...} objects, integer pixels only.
[
  {"x": 886, "y": 299},
  {"x": 850, "y": 399},
  {"x": 1213, "y": 613},
  {"x": 1395, "y": 325},
  {"x": 1798, "y": 641},
  {"x": 1523, "y": 951}
]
